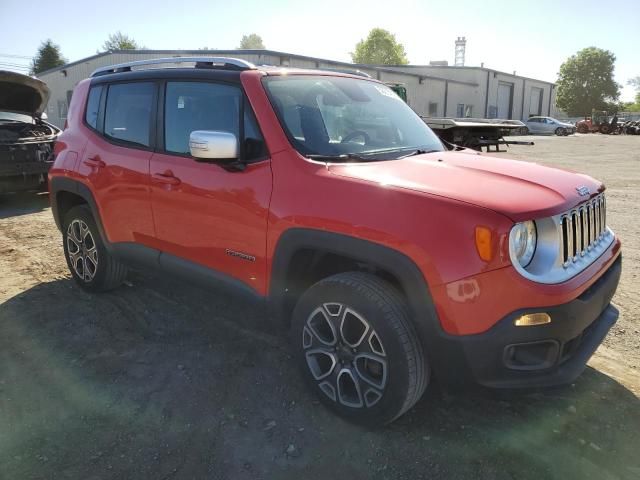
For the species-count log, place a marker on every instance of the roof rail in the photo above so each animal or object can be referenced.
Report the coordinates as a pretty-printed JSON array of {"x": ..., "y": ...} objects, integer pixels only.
[
  {"x": 350, "y": 71},
  {"x": 200, "y": 62}
]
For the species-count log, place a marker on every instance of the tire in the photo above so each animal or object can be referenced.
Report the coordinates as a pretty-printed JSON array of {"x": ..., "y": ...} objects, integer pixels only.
[
  {"x": 559, "y": 131},
  {"x": 90, "y": 264},
  {"x": 605, "y": 129},
  {"x": 373, "y": 368}
]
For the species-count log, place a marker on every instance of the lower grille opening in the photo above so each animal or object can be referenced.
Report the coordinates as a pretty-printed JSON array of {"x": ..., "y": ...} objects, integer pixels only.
[{"x": 531, "y": 356}]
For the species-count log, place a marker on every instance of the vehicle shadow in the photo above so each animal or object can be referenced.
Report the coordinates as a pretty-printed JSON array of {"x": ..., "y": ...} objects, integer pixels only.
[
  {"x": 160, "y": 379},
  {"x": 23, "y": 203}
]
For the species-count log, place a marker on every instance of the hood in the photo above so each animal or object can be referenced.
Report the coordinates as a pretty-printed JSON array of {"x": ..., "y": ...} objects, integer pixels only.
[
  {"x": 518, "y": 189},
  {"x": 22, "y": 94}
]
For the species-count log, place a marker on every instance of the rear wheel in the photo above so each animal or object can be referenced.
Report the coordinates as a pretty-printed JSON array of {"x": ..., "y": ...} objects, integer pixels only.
[
  {"x": 89, "y": 262},
  {"x": 605, "y": 129},
  {"x": 358, "y": 348}
]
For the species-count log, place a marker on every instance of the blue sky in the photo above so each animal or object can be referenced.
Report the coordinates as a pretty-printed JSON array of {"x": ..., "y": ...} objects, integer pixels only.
[{"x": 533, "y": 37}]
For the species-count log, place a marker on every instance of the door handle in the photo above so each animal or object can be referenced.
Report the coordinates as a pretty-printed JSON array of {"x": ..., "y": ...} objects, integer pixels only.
[
  {"x": 167, "y": 178},
  {"x": 94, "y": 162}
]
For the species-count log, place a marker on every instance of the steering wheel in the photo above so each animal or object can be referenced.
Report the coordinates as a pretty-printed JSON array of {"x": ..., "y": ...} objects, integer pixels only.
[{"x": 356, "y": 134}]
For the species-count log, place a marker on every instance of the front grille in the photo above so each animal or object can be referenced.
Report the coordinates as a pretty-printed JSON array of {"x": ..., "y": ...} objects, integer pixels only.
[{"x": 582, "y": 228}]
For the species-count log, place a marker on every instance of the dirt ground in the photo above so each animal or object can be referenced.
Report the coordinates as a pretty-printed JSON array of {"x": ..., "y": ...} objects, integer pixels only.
[{"x": 163, "y": 380}]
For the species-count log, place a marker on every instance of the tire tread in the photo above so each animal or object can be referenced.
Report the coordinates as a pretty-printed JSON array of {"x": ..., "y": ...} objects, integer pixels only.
[
  {"x": 387, "y": 298},
  {"x": 115, "y": 271}
]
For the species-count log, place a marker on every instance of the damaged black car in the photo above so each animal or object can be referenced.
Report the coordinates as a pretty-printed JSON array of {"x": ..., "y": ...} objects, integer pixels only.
[{"x": 26, "y": 140}]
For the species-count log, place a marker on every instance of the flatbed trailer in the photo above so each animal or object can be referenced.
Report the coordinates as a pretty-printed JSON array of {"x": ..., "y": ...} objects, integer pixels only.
[{"x": 475, "y": 133}]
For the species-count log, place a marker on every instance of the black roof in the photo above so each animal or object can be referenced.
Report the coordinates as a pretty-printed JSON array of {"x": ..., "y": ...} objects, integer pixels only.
[{"x": 231, "y": 76}]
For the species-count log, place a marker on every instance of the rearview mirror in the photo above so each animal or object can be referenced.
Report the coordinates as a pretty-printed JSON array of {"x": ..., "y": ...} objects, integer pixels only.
[{"x": 213, "y": 145}]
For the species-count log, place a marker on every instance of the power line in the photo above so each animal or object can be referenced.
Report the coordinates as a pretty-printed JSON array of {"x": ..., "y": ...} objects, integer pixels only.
[
  {"x": 16, "y": 67},
  {"x": 14, "y": 64},
  {"x": 14, "y": 56}
]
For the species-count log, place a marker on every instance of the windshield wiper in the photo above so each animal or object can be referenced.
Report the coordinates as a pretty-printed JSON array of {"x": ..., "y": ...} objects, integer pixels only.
[
  {"x": 415, "y": 152},
  {"x": 344, "y": 157}
]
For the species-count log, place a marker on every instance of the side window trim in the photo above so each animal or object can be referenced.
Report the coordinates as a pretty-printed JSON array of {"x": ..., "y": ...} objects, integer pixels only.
[
  {"x": 241, "y": 139},
  {"x": 248, "y": 110},
  {"x": 160, "y": 113},
  {"x": 101, "y": 109}
]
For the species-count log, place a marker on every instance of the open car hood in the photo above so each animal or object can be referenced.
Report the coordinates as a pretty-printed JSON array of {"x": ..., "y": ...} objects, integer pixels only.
[{"x": 22, "y": 94}]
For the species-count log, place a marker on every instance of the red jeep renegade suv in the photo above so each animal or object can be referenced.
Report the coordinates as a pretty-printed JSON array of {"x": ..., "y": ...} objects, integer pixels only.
[{"x": 391, "y": 258}]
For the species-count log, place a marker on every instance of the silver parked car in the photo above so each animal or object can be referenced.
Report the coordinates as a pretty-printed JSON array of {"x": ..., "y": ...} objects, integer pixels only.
[{"x": 550, "y": 126}]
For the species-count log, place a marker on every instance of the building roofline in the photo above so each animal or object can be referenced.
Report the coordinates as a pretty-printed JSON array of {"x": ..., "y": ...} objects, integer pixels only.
[
  {"x": 484, "y": 69},
  {"x": 71, "y": 64},
  {"x": 380, "y": 68}
]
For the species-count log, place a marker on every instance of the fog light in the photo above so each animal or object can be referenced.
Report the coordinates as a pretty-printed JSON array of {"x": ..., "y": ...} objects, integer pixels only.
[{"x": 531, "y": 319}]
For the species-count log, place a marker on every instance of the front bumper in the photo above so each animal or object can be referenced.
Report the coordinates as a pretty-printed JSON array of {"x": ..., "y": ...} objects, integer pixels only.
[{"x": 507, "y": 356}]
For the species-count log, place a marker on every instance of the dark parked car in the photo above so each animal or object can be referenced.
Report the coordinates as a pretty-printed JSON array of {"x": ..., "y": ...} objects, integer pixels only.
[
  {"x": 26, "y": 141},
  {"x": 521, "y": 130}
]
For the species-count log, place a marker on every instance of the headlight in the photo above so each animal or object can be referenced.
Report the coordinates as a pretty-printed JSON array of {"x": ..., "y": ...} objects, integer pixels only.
[{"x": 522, "y": 242}]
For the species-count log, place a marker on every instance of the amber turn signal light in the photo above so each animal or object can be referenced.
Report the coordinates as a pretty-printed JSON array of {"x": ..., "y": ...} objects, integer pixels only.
[
  {"x": 483, "y": 243},
  {"x": 532, "y": 319}
]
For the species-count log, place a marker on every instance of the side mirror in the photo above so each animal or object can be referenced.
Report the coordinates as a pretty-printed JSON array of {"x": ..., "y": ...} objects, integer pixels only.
[{"x": 213, "y": 145}]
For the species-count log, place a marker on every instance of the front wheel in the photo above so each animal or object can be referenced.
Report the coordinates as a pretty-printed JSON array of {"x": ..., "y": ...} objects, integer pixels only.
[
  {"x": 89, "y": 262},
  {"x": 559, "y": 131},
  {"x": 358, "y": 348}
]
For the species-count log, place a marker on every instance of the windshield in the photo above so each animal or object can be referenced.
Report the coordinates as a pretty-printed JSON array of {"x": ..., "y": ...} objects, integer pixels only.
[
  {"x": 15, "y": 117},
  {"x": 340, "y": 116}
]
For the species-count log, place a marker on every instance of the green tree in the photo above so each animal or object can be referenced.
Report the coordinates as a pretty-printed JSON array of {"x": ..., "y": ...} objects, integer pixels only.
[
  {"x": 635, "y": 82},
  {"x": 379, "y": 48},
  {"x": 48, "y": 56},
  {"x": 253, "y": 41},
  {"x": 120, "y": 41},
  {"x": 585, "y": 82}
]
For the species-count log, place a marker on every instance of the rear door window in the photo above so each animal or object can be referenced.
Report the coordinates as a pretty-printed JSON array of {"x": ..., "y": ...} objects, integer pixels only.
[{"x": 128, "y": 112}]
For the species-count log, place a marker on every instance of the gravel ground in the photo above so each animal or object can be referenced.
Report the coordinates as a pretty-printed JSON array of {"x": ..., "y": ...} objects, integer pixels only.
[{"x": 163, "y": 380}]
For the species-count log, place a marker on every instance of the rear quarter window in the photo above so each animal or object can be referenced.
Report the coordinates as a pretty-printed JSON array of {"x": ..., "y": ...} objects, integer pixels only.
[{"x": 93, "y": 106}]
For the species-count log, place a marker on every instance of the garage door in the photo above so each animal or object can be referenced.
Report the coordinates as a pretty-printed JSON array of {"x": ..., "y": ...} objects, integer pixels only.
[
  {"x": 505, "y": 99},
  {"x": 535, "y": 102}
]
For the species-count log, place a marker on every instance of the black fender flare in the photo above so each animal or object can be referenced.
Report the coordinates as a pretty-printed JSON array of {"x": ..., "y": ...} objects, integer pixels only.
[
  {"x": 64, "y": 184},
  {"x": 445, "y": 354},
  {"x": 396, "y": 263}
]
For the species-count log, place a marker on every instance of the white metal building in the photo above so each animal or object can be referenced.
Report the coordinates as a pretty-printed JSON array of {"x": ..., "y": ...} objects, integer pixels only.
[{"x": 435, "y": 91}]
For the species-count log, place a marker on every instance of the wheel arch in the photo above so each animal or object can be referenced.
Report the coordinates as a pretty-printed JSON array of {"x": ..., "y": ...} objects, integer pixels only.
[
  {"x": 301, "y": 250},
  {"x": 66, "y": 193}
]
